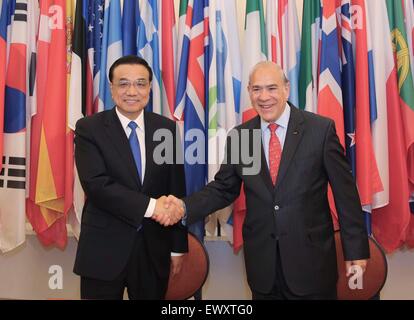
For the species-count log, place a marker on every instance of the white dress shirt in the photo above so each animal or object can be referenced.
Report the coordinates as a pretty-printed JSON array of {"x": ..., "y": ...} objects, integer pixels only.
[{"x": 140, "y": 130}]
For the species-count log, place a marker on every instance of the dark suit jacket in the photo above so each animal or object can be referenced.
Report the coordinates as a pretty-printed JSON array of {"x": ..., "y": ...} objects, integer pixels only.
[
  {"x": 295, "y": 213},
  {"x": 116, "y": 200}
]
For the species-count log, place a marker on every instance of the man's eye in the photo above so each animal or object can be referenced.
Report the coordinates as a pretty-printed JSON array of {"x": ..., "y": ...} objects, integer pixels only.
[{"x": 124, "y": 85}]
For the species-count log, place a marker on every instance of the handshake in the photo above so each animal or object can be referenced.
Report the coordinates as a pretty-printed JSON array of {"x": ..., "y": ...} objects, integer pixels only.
[{"x": 168, "y": 210}]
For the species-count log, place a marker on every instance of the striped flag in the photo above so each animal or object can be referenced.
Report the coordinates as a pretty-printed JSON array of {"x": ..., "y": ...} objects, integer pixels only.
[
  {"x": 330, "y": 103},
  {"x": 94, "y": 39},
  {"x": 254, "y": 51},
  {"x": 77, "y": 96},
  {"x": 191, "y": 99},
  {"x": 148, "y": 42},
  {"x": 254, "y": 46},
  {"x": 111, "y": 50},
  {"x": 168, "y": 36},
  {"x": 409, "y": 25},
  {"x": 283, "y": 36},
  {"x": 330, "y": 91},
  {"x": 77, "y": 91},
  {"x": 367, "y": 175},
  {"x": 4, "y": 22},
  {"x": 390, "y": 223},
  {"x": 379, "y": 125},
  {"x": 406, "y": 90},
  {"x": 309, "y": 72},
  {"x": 47, "y": 206},
  {"x": 194, "y": 112},
  {"x": 223, "y": 93},
  {"x": 12, "y": 177},
  {"x": 184, "y": 26},
  {"x": 348, "y": 82},
  {"x": 130, "y": 21}
]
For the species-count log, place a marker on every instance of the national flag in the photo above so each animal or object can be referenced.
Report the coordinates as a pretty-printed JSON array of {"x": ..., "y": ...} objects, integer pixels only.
[
  {"x": 330, "y": 102},
  {"x": 379, "y": 118},
  {"x": 111, "y": 50},
  {"x": 254, "y": 51},
  {"x": 406, "y": 90},
  {"x": 93, "y": 25},
  {"x": 94, "y": 39},
  {"x": 168, "y": 36},
  {"x": 223, "y": 93},
  {"x": 348, "y": 82},
  {"x": 47, "y": 205},
  {"x": 409, "y": 25},
  {"x": 130, "y": 21},
  {"x": 309, "y": 57},
  {"x": 390, "y": 223},
  {"x": 148, "y": 42},
  {"x": 191, "y": 97},
  {"x": 12, "y": 176},
  {"x": 5, "y": 20},
  {"x": 367, "y": 175},
  {"x": 79, "y": 58},
  {"x": 254, "y": 46},
  {"x": 284, "y": 41},
  {"x": 184, "y": 27}
]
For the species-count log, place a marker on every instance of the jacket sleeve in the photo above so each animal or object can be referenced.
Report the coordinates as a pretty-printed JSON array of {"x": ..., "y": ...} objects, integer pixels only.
[
  {"x": 178, "y": 189},
  {"x": 219, "y": 193},
  {"x": 351, "y": 219},
  {"x": 105, "y": 193}
]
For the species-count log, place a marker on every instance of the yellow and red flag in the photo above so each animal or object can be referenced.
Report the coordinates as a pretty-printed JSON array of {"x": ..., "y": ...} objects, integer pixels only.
[{"x": 48, "y": 201}]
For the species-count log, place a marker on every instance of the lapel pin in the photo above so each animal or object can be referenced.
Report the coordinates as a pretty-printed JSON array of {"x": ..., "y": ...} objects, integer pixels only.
[{"x": 295, "y": 132}]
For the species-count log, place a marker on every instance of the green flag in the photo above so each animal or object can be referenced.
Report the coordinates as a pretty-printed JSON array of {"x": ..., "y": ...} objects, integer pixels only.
[
  {"x": 255, "y": 45},
  {"x": 308, "y": 91}
]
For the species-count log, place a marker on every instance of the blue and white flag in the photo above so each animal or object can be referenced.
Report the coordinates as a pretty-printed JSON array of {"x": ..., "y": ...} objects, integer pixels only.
[
  {"x": 111, "y": 50},
  {"x": 148, "y": 43}
]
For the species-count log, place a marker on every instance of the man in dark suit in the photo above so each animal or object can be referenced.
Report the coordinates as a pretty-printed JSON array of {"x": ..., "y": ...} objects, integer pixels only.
[
  {"x": 288, "y": 233},
  {"x": 120, "y": 244}
]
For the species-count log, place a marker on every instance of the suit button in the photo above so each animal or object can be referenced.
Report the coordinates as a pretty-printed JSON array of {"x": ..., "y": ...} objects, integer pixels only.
[
  {"x": 273, "y": 236},
  {"x": 277, "y": 207}
]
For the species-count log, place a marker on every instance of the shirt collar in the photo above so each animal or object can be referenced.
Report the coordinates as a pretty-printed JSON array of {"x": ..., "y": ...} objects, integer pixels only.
[
  {"x": 125, "y": 121},
  {"x": 282, "y": 121}
]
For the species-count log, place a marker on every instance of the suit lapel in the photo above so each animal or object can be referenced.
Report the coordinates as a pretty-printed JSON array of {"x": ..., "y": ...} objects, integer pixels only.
[
  {"x": 116, "y": 135},
  {"x": 294, "y": 135},
  {"x": 149, "y": 146},
  {"x": 264, "y": 172}
]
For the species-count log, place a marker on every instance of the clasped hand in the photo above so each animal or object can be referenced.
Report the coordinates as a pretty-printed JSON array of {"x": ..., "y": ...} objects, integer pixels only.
[{"x": 168, "y": 210}]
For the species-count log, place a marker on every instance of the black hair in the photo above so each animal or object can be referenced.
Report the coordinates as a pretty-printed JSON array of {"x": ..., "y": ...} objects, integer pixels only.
[{"x": 131, "y": 60}]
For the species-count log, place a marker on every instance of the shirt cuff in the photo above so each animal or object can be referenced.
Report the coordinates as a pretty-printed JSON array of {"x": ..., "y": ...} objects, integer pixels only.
[
  {"x": 176, "y": 254},
  {"x": 150, "y": 208}
]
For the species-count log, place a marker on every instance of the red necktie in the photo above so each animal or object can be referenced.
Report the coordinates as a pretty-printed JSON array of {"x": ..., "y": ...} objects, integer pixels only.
[{"x": 275, "y": 152}]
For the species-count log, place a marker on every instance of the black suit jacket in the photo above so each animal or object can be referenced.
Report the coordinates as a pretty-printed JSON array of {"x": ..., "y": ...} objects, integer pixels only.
[
  {"x": 116, "y": 200},
  {"x": 295, "y": 213}
]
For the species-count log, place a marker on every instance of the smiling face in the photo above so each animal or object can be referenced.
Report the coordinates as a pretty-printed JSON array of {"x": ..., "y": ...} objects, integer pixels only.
[
  {"x": 130, "y": 89},
  {"x": 268, "y": 90}
]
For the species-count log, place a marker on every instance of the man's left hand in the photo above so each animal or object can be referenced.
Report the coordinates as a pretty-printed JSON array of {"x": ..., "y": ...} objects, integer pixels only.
[{"x": 176, "y": 264}]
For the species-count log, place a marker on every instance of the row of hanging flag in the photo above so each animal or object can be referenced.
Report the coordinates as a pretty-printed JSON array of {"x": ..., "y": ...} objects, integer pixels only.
[{"x": 352, "y": 62}]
